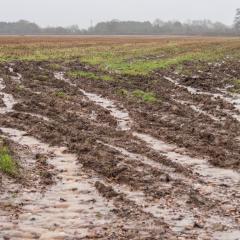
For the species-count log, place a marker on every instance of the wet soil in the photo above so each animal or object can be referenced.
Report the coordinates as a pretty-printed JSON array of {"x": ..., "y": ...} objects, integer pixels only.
[
  {"x": 110, "y": 166},
  {"x": 206, "y": 123}
]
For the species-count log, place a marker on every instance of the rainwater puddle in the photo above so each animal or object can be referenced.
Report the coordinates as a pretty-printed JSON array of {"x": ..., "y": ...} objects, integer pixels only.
[{"x": 70, "y": 207}]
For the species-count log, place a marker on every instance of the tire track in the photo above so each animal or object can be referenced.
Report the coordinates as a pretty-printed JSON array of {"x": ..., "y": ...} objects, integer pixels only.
[
  {"x": 71, "y": 207},
  {"x": 234, "y": 99},
  {"x": 209, "y": 174}
]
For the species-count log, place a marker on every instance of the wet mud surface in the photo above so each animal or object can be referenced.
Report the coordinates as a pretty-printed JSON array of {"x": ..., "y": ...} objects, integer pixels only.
[{"x": 98, "y": 164}]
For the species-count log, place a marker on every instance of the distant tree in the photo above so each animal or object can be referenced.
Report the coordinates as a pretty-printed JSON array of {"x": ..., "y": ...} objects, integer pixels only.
[
  {"x": 237, "y": 20},
  {"x": 158, "y": 23},
  {"x": 158, "y": 27},
  {"x": 74, "y": 29}
]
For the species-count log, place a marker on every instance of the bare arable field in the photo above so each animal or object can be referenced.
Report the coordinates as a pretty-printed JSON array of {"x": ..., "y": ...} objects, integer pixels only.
[{"x": 119, "y": 138}]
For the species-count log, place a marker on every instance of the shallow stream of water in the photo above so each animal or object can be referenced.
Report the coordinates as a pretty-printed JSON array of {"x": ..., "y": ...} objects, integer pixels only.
[
  {"x": 70, "y": 207},
  {"x": 8, "y": 99}
]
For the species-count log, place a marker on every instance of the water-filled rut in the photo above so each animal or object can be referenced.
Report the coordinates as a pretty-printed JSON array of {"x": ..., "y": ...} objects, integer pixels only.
[
  {"x": 68, "y": 208},
  {"x": 213, "y": 177},
  {"x": 200, "y": 166},
  {"x": 73, "y": 207}
]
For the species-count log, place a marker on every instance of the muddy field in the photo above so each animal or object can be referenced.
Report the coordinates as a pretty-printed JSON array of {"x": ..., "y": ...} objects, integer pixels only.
[{"x": 145, "y": 148}]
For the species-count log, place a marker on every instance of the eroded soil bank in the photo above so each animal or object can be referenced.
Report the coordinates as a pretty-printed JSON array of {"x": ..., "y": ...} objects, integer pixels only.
[{"x": 100, "y": 162}]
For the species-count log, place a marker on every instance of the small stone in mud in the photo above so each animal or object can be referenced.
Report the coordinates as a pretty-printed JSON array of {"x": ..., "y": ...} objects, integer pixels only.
[
  {"x": 38, "y": 156},
  {"x": 165, "y": 178},
  {"x": 198, "y": 225}
]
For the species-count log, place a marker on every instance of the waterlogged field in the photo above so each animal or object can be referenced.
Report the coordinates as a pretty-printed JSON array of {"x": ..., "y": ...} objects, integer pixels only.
[{"x": 119, "y": 138}]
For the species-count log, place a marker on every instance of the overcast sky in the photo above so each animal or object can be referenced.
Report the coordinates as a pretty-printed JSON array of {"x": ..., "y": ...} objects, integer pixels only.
[{"x": 81, "y": 12}]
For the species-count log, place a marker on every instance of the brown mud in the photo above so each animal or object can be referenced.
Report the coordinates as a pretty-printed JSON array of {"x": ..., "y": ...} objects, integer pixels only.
[{"x": 108, "y": 166}]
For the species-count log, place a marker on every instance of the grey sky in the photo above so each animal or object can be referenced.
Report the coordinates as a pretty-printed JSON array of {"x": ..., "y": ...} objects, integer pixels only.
[{"x": 68, "y": 12}]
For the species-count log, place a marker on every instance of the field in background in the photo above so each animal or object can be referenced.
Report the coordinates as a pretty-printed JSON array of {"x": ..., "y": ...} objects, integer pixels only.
[{"x": 119, "y": 54}]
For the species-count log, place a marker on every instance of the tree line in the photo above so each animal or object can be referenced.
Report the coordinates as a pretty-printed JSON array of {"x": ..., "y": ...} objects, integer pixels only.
[
  {"x": 116, "y": 27},
  {"x": 158, "y": 27}
]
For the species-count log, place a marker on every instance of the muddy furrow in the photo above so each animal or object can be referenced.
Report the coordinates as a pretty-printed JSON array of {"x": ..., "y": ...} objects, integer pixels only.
[
  {"x": 71, "y": 207},
  {"x": 8, "y": 99},
  {"x": 174, "y": 209},
  {"x": 71, "y": 204},
  {"x": 198, "y": 110},
  {"x": 68, "y": 208},
  {"x": 121, "y": 116},
  {"x": 177, "y": 214},
  {"x": 233, "y": 99},
  {"x": 201, "y": 166},
  {"x": 209, "y": 174},
  {"x": 181, "y": 216}
]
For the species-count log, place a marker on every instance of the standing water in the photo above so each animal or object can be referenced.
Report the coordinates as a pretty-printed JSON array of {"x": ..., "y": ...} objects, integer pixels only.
[{"x": 68, "y": 208}]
